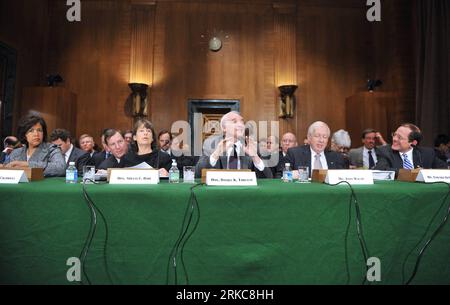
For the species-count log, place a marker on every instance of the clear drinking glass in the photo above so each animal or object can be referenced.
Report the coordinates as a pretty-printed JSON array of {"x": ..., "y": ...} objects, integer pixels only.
[
  {"x": 303, "y": 174},
  {"x": 88, "y": 174},
  {"x": 189, "y": 174}
]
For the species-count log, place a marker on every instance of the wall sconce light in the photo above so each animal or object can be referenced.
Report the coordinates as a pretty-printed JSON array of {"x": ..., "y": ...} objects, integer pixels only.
[
  {"x": 287, "y": 101},
  {"x": 53, "y": 79},
  {"x": 372, "y": 84},
  {"x": 139, "y": 98}
]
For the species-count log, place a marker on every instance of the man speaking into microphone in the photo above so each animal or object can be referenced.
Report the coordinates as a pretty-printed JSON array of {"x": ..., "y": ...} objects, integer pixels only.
[
  {"x": 406, "y": 153},
  {"x": 234, "y": 151}
]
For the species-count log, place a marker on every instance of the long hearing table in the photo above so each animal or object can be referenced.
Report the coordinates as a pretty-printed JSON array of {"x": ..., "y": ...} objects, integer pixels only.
[{"x": 275, "y": 233}]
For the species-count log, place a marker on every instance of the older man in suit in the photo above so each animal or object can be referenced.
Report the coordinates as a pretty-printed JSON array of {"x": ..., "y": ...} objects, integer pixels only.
[
  {"x": 62, "y": 138},
  {"x": 405, "y": 153},
  {"x": 315, "y": 155},
  {"x": 366, "y": 155},
  {"x": 234, "y": 151}
]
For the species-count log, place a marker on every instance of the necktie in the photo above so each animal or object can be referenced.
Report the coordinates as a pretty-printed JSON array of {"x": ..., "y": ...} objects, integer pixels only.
[
  {"x": 317, "y": 163},
  {"x": 406, "y": 163},
  {"x": 233, "y": 161},
  {"x": 371, "y": 161}
]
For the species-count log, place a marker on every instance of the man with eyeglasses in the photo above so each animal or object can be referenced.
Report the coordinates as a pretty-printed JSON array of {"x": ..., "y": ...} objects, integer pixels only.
[
  {"x": 405, "y": 152},
  {"x": 314, "y": 155}
]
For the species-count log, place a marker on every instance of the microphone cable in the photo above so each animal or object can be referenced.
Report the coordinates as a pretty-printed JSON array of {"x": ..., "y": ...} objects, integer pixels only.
[
  {"x": 433, "y": 236},
  {"x": 359, "y": 230},
  {"x": 187, "y": 219},
  {"x": 93, "y": 209}
]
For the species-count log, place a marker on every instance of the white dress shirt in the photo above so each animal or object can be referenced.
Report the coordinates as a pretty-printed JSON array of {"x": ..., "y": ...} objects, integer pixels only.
[
  {"x": 68, "y": 152},
  {"x": 409, "y": 154},
  {"x": 323, "y": 160},
  {"x": 260, "y": 166},
  {"x": 366, "y": 157}
]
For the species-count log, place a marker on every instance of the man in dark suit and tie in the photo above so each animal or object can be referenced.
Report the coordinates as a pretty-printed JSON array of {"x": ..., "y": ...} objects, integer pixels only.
[
  {"x": 234, "y": 151},
  {"x": 175, "y": 150},
  {"x": 405, "y": 153},
  {"x": 314, "y": 155},
  {"x": 366, "y": 155}
]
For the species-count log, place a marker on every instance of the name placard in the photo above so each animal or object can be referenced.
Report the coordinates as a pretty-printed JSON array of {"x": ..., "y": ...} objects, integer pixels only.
[
  {"x": 134, "y": 176},
  {"x": 351, "y": 176},
  {"x": 433, "y": 175},
  {"x": 12, "y": 176},
  {"x": 231, "y": 178}
]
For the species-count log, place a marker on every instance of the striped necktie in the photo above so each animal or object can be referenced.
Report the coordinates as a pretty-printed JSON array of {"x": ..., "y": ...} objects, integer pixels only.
[{"x": 406, "y": 163}]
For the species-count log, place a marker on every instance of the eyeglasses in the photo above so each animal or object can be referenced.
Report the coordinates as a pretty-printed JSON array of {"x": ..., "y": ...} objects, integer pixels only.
[
  {"x": 31, "y": 130},
  {"x": 399, "y": 137}
]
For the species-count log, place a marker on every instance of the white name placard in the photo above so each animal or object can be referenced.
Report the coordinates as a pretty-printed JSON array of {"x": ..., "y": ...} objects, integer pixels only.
[
  {"x": 134, "y": 176},
  {"x": 231, "y": 178},
  {"x": 433, "y": 175},
  {"x": 351, "y": 176},
  {"x": 12, "y": 176}
]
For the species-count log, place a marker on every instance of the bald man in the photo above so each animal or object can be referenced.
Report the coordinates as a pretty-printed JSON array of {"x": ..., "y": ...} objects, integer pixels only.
[
  {"x": 234, "y": 151},
  {"x": 314, "y": 155}
]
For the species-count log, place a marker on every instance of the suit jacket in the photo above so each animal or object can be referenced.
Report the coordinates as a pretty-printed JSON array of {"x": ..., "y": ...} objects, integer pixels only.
[
  {"x": 111, "y": 162},
  {"x": 97, "y": 159},
  {"x": 2, "y": 157},
  {"x": 274, "y": 168},
  {"x": 356, "y": 156},
  {"x": 46, "y": 156},
  {"x": 80, "y": 157},
  {"x": 301, "y": 156},
  {"x": 222, "y": 163},
  {"x": 423, "y": 157}
]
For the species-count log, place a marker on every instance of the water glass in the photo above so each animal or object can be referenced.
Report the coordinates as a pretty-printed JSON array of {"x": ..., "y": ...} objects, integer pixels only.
[
  {"x": 303, "y": 174},
  {"x": 88, "y": 174},
  {"x": 189, "y": 174}
]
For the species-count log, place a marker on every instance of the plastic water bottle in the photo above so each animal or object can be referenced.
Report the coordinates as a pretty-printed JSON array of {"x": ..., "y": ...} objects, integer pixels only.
[
  {"x": 71, "y": 173},
  {"x": 174, "y": 173},
  {"x": 287, "y": 173}
]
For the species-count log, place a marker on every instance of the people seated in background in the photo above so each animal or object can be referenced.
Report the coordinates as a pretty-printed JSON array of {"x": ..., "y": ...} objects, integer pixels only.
[
  {"x": 442, "y": 147},
  {"x": 341, "y": 143},
  {"x": 9, "y": 144},
  {"x": 175, "y": 150},
  {"x": 101, "y": 156},
  {"x": 128, "y": 136},
  {"x": 366, "y": 155},
  {"x": 269, "y": 152},
  {"x": 61, "y": 138},
  {"x": 234, "y": 150},
  {"x": 36, "y": 152},
  {"x": 118, "y": 148},
  {"x": 143, "y": 149},
  {"x": 288, "y": 140},
  {"x": 87, "y": 144},
  {"x": 406, "y": 153},
  {"x": 314, "y": 155}
]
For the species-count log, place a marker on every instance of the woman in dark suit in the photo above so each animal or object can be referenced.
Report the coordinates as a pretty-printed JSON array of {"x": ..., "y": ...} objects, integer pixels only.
[
  {"x": 143, "y": 149},
  {"x": 36, "y": 152}
]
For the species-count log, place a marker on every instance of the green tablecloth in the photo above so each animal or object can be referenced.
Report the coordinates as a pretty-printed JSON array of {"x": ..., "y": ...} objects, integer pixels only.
[{"x": 275, "y": 233}]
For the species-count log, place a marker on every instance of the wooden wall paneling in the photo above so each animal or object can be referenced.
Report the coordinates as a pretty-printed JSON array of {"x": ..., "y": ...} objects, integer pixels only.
[
  {"x": 331, "y": 53},
  {"x": 24, "y": 27},
  {"x": 285, "y": 16},
  {"x": 57, "y": 106},
  {"x": 93, "y": 56}
]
